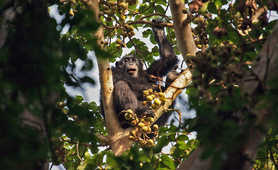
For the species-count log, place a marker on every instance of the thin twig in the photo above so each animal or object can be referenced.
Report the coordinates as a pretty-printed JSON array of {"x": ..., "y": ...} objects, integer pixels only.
[
  {"x": 155, "y": 14},
  {"x": 77, "y": 151},
  {"x": 149, "y": 23}
]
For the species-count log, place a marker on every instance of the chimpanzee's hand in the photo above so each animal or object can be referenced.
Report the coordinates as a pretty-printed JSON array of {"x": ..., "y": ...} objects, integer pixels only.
[
  {"x": 158, "y": 30},
  {"x": 149, "y": 113}
]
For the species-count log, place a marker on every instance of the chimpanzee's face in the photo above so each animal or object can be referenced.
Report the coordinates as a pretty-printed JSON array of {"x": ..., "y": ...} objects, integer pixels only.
[{"x": 131, "y": 66}]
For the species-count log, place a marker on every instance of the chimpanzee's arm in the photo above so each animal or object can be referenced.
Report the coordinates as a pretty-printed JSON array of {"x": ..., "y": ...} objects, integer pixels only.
[
  {"x": 168, "y": 59},
  {"x": 124, "y": 98}
]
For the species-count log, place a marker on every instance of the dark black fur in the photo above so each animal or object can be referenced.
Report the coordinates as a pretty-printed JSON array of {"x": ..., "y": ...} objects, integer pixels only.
[{"x": 128, "y": 90}]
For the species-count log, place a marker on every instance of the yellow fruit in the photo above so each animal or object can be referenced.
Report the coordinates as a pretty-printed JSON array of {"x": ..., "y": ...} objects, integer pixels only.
[
  {"x": 128, "y": 116},
  {"x": 141, "y": 125},
  {"x": 199, "y": 20},
  {"x": 155, "y": 127},
  {"x": 146, "y": 92},
  {"x": 150, "y": 142},
  {"x": 145, "y": 103},
  {"x": 71, "y": 13},
  {"x": 129, "y": 111},
  {"x": 145, "y": 128},
  {"x": 118, "y": 45},
  {"x": 123, "y": 5},
  {"x": 133, "y": 132},
  {"x": 157, "y": 101},
  {"x": 142, "y": 142},
  {"x": 65, "y": 111},
  {"x": 119, "y": 41},
  {"x": 199, "y": 45},
  {"x": 149, "y": 130},
  {"x": 161, "y": 94},
  {"x": 134, "y": 122},
  {"x": 150, "y": 119},
  {"x": 149, "y": 98},
  {"x": 123, "y": 17},
  {"x": 163, "y": 99}
]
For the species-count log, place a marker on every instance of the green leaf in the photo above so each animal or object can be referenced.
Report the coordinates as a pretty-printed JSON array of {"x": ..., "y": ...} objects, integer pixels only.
[
  {"x": 192, "y": 91},
  {"x": 159, "y": 9},
  {"x": 204, "y": 8},
  {"x": 78, "y": 99},
  {"x": 212, "y": 8},
  {"x": 161, "y": 2},
  {"x": 146, "y": 33},
  {"x": 92, "y": 105},
  {"x": 182, "y": 138},
  {"x": 168, "y": 162},
  {"x": 181, "y": 145},
  {"x": 143, "y": 8},
  {"x": 218, "y": 4}
]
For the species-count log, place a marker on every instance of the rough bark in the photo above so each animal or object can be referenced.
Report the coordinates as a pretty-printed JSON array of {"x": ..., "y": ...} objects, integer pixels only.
[{"x": 264, "y": 69}]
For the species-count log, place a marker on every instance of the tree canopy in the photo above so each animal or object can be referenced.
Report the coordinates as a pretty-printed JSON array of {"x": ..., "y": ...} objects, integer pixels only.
[{"x": 229, "y": 47}]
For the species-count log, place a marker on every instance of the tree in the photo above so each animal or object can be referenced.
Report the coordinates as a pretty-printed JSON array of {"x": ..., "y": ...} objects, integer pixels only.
[{"x": 229, "y": 47}]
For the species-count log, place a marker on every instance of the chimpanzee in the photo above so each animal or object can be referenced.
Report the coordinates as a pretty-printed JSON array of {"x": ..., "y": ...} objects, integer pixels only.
[{"x": 130, "y": 79}]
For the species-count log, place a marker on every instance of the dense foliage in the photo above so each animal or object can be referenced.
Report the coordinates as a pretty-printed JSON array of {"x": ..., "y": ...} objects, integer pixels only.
[{"x": 37, "y": 62}]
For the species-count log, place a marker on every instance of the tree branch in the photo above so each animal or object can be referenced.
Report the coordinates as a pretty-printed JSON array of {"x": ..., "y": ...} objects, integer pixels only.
[
  {"x": 176, "y": 87},
  {"x": 183, "y": 30}
]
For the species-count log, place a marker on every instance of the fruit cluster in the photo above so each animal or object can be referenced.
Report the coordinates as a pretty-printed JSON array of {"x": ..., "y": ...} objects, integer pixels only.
[
  {"x": 153, "y": 99},
  {"x": 145, "y": 131}
]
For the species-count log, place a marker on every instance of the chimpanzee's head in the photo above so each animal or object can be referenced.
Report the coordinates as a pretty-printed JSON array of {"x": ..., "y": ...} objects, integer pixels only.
[{"x": 130, "y": 65}]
